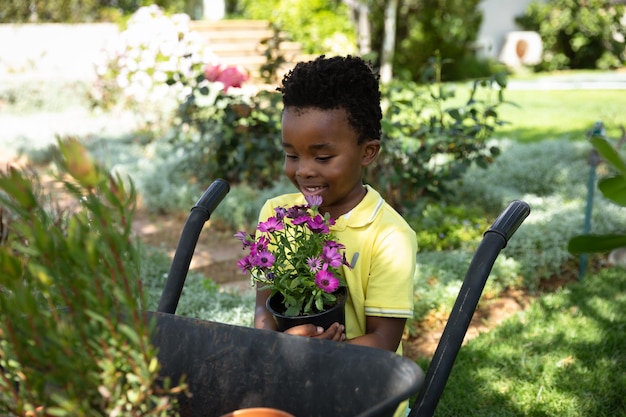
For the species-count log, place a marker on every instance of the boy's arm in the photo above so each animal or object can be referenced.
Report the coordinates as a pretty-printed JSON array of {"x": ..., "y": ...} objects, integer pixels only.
[
  {"x": 262, "y": 317},
  {"x": 382, "y": 332}
]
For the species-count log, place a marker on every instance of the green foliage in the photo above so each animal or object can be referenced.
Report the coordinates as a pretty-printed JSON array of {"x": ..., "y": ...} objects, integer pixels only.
[
  {"x": 442, "y": 227},
  {"x": 578, "y": 34},
  {"x": 201, "y": 298},
  {"x": 234, "y": 137},
  {"x": 320, "y": 26},
  {"x": 613, "y": 188},
  {"x": 73, "y": 340},
  {"x": 426, "y": 28},
  {"x": 77, "y": 11},
  {"x": 426, "y": 145},
  {"x": 563, "y": 356},
  {"x": 551, "y": 176}
]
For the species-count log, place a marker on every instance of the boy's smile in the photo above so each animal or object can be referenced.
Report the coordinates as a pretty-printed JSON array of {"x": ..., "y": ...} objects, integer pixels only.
[{"x": 323, "y": 157}]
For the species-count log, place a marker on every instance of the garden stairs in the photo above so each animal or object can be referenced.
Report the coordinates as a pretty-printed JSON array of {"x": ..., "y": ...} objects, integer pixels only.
[{"x": 244, "y": 43}]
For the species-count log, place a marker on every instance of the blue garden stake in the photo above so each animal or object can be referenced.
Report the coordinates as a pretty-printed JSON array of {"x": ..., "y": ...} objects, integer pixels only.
[{"x": 594, "y": 160}]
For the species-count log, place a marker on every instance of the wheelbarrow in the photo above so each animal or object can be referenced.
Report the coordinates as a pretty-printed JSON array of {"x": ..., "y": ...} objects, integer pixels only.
[{"x": 231, "y": 367}]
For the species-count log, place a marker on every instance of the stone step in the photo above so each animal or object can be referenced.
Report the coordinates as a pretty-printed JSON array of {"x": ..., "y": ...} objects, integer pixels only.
[{"x": 240, "y": 43}]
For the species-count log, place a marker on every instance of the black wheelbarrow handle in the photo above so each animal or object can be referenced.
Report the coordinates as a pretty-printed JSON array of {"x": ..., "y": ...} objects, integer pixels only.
[
  {"x": 179, "y": 268},
  {"x": 494, "y": 240}
]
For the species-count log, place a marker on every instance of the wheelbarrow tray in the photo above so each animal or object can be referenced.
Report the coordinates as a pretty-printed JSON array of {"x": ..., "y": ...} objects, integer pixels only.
[{"x": 231, "y": 367}]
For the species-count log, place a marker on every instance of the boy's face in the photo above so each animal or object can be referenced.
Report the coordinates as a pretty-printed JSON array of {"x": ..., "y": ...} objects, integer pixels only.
[{"x": 323, "y": 157}]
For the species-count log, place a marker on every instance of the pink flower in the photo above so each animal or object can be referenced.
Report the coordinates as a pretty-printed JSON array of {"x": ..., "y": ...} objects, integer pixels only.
[
  {"x": 229, "y": 76},
  {"x": 332, "y": 256},
  {"x": 212, "y": 72},
  {"x": 325, "y": 280},
  {"x": 232, "y": 77}
]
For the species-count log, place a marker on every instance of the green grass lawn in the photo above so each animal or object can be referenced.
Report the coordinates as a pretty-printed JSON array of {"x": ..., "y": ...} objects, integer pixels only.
[
  {"x": 540, "y": 115},
  {"x": 563, "y": 356}
]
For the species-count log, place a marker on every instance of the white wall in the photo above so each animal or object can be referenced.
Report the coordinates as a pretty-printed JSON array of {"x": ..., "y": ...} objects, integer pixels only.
[
  {"x": 52, "y": 51},
  {"x": 498, "y": 20}
]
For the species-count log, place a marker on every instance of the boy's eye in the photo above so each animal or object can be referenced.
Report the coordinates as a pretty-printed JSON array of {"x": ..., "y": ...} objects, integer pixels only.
[
  {"x": 324, "y": 158},
  {"x": 287, "y": 156}
]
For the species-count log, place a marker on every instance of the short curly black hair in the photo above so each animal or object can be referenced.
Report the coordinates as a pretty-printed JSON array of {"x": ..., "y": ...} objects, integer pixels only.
[{"x": 347, "y": 83}]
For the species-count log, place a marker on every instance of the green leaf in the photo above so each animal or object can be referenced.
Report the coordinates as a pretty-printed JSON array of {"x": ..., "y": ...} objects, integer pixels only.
[
  {"x": 608, "y": 152},
  {"x": 19, "y": 187},
  {"x": 614, "y": 189},
  {"x": 595, "y": 243}
]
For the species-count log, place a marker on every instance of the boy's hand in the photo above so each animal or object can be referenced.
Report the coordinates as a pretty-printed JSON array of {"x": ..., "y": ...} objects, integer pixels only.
[{"x": 334, "y": 332}]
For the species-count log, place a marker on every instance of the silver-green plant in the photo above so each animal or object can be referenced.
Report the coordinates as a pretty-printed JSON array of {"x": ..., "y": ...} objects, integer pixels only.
[{"x": 73, "y": 338}]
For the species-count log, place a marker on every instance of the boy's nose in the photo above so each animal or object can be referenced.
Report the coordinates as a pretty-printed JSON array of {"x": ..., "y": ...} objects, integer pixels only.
[{"x": 305, "y": 170}]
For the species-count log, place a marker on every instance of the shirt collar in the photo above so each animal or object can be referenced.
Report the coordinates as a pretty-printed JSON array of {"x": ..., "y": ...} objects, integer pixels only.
[{"x": 363, "y": 214}]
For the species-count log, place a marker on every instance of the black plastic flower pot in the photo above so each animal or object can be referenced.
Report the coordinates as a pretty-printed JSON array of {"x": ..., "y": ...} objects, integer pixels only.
[{"x": 324, "y": 319}]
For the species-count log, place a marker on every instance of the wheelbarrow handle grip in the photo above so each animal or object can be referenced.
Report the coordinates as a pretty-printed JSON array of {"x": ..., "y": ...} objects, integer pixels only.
[
  {"x": 510, "y": 219},
  {"x": 179, "y": 268},
  {"x": 212, "y": 197}
]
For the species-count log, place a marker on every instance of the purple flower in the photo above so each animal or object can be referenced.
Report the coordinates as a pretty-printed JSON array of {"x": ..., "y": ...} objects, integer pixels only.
[
  {"x": 334, "y": 244},
  {"x": 300, "y": 220},
  {"x": 332, "y": 256},
  {"x": 280, "y": 213},
  {"x": 245, "y": 265},
  {"x": 317, "y": 225},
  {"x": 244, "y": 238},
  {"x": 314, "y": 200},
  {"x": 264, "y": 259},
  {"x": 297, "y": 211},
  {"x": 314, "y": 263},
  {"x": 270, "y": 225},
  {"x": 325, "y": 280},
  {"x": 259, "y": 246}
]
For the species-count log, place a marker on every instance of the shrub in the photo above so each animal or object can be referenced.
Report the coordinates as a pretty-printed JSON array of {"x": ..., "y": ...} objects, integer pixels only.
[
  {"x": 76, "y": 11},
  {"x": 231, "y": 136},
  {"x": 73, "y": 340},
  {"x": 428, "y": 146},
  {"x": 151, "y": 66},
  {"x": 578, "y": 34},
  {"x": 551, "y": 176},
  {"x": 316, "y": 24},
  {"x": 441, "y": 227}
]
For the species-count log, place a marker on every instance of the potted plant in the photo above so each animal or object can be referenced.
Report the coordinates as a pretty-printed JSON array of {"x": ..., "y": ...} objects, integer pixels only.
[{"x": 295, "y": 255}]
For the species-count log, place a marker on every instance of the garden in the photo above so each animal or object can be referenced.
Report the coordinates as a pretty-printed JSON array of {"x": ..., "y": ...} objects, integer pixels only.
[{"x": 548, "y": 335}]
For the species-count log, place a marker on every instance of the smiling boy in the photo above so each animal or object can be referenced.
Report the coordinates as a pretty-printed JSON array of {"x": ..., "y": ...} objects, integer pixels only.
[{"x": 331, "y": 128}]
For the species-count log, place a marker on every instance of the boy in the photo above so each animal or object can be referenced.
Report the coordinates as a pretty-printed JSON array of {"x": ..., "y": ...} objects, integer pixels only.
[{"x": 330, "y": 134}]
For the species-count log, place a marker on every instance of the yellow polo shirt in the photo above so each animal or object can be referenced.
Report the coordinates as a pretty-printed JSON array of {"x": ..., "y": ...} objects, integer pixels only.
[{"x": 381, "y": 247}]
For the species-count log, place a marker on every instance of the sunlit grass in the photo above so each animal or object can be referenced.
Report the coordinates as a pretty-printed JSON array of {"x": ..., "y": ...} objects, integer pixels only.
[
  {"x": 563, "y": 356},
  {"x": 554, "y": 114}
]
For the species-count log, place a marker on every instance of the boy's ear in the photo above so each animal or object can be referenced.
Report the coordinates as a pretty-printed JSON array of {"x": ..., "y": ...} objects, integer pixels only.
[{"x": 371, "y": 148}]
